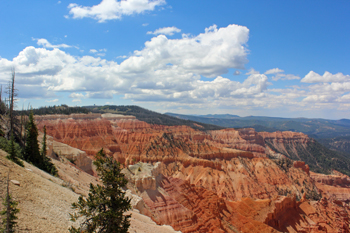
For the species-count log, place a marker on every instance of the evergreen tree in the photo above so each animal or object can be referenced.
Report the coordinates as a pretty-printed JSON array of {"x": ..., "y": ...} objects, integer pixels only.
[
  {"x": 48, "y": 165},
  {"x": 12, "y": 154},
  {"x": 31, "y": 150},
  {"x": 9, "y": 213},
  {"x": 104, "y": 208}
]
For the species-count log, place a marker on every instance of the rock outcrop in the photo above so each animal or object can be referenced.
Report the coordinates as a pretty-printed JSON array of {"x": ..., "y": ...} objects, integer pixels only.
[
  {"x": 333, "y": 187},
  {"x": 286, "y": 142},
  {"x": 302, "y": 166}
]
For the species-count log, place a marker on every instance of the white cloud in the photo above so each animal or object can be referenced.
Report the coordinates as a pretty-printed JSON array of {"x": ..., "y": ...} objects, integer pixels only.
[
  {"x": 165, "y": 31},
  {"x": 209, "y": 54},
  {"x": 59, "y": 2},
  {"x": 279, "y": 76},
  {"x": 169, "y": 72},
  {"x": 43, "y": 42},
  {"x": 274, "y": 71},
  {"x": 52, "y": 101},
  {"x": 113, "y": 9},
  {"x": 76, "y": 95},
  {"x": 96, "y": 52},
  {"x": 164, "y": 69},
  {"x": 145, "y": 24},
  {"x": 313, "y": 77},
  {"x": 252, "y": 71},
  {"x": 122, "y": 57}
]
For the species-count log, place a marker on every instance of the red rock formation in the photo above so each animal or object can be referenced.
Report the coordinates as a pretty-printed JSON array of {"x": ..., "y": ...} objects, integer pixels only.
[
  {"x": 333, "y": 187},
  {"x": 194, "y": 209},
  {"x": 220, "y": 181},
  {"x": 243, "y": 139},
  {"x": 130, "y": 140},
  {"x": 302, "y": 166},
  {"x": 278, "y": 140},
  {"x": 334, "y": 180}
]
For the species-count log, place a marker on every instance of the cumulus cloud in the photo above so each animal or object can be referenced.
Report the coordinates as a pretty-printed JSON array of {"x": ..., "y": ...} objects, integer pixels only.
[
  {"x": 98, "y": 52},
  {"x": 113, "y": 9},
  {"x": 209, "y": 54},
  {"x": 280, "y": 76},
  {"x": 76, "y": 95},
  {"x": 274, "y": 71},
  {"x": 170, "y": 71},
  {"x": 252, "y": 71},
  {"x": 165, "y": 31},
  {"x": 313, "y": 77},
  {"x": 164, "y": 69},
  {"x": 43, "y": 42},
  {"x": 328, "y": 88}
]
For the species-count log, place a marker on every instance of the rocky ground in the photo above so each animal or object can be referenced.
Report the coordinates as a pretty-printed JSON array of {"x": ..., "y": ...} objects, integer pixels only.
[{"x": 45, "y": 201}]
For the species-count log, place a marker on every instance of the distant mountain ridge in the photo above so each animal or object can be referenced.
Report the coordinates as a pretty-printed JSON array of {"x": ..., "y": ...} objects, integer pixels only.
[
  {"x": 316, "y": 128},
  {"x": 151, "y": 117},
  {"x": 221, "y": 116}
]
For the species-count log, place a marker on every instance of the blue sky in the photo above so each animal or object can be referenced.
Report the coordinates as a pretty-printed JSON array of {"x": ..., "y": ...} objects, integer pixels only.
[{"x": 271, "y": 58}]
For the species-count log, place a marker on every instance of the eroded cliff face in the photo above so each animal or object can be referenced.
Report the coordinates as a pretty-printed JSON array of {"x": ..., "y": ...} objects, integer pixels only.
[
  {"x": 207, "y": 181},
  {"x": 286, "y": 142},
  {"x": 335, "y": 187},
  {"x": 194, "y": 208},
  {"x": 243, "y": 139}
]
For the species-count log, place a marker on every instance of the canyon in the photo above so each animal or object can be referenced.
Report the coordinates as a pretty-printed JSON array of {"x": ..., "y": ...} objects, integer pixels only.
[{"x": 229, "y": 180}]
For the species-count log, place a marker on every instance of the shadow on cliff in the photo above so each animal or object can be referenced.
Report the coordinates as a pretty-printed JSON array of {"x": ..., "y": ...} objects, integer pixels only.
[
  {"x": 155, "y": 195},
  {"x": 291, "y": 218}
]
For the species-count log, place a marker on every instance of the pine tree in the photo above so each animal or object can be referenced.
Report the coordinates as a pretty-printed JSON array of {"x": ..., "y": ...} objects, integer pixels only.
[
  {"x": 105, "y": 206},
  {"x": 12, "y": 155},
  {"x": 47, "y": 164},
  {"x": 9, "y": 214},
  {"x": 31, "y": 150}
]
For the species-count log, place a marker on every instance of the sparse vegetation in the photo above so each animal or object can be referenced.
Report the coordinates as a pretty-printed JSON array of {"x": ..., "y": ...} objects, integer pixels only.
[
  {"x": 284, "y": 163},
  {"x": 313, "y": 195},
  {"x": 9, "y": 213},
  {"x": 12, "y": 154},
  {"x": 318, "y": 157},
  {"x": 15, "y": 148},
  {"x": 150, "y": 116}
]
